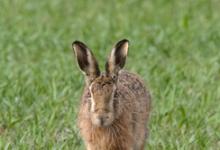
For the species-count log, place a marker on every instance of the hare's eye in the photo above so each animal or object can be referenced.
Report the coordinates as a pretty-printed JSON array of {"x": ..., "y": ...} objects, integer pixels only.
[
  {"x": 114, "y": 77},
  {"x": 106, "y": 110}
]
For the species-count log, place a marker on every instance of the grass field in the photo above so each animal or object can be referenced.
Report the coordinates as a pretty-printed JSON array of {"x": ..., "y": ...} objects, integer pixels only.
[{"x": 174, "y": 46}]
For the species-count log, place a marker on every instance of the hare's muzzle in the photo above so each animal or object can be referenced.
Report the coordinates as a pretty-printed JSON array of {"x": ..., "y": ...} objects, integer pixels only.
[{"x": 102, "y": 120}]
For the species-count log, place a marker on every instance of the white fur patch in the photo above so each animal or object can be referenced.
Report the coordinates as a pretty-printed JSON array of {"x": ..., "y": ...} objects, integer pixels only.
[
  {"x": 91, "y": 61},
  {"x": 125, "y": 49},
  {"x": 112, "y": 97},
  {"x": 92, "y": 99}
]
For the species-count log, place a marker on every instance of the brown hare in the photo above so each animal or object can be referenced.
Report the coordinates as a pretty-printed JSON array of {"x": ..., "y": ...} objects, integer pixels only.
[{"x": 115, "y": 104}]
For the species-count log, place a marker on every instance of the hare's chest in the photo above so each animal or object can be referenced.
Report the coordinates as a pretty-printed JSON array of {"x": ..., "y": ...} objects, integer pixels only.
[{"x": 110, "y": 138}]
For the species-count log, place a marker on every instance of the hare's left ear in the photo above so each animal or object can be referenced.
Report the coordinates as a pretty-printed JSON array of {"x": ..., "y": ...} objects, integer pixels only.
[
  {"x": 117, "y": 58},
  {"x": 86, "y": 61}
]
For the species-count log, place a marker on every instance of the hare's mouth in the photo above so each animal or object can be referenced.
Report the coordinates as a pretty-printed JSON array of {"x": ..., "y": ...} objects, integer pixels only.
[{"x": 101, "y": 122}]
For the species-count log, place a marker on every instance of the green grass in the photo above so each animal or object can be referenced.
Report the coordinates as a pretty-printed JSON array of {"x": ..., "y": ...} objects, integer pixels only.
[{"x": 174, "y": 46}]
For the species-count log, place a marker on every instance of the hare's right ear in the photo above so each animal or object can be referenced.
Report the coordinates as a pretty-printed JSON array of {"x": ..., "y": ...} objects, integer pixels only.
[
  {"x": 117, "y": 58},
  {"x": 86, "y": 60}
]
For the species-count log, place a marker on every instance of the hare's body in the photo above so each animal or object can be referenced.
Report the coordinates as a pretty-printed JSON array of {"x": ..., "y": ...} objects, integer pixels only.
[
  {"x": 115, "y": 105},
  {"x": 129, "y": 129}
]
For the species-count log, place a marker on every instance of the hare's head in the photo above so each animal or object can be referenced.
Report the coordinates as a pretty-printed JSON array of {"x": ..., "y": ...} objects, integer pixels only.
[{"x": 102, "y": 86}]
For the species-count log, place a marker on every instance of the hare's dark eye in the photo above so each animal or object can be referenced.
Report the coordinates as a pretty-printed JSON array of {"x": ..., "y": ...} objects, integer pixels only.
[{"x": 114, "y": 77}]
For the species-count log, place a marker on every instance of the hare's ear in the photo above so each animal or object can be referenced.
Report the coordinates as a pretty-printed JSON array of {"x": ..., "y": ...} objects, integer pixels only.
[
  {"x": 86, "y": 60},
  {"x": 117, "y": 58}
]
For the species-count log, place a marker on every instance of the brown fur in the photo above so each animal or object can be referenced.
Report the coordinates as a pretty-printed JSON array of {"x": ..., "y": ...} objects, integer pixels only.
[
  {"x": 128, "y": 131},
  {"x": 115, "y": 105}
]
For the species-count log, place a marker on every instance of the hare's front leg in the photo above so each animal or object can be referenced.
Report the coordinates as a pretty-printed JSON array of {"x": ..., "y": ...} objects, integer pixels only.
[{"x": 89, "y": 147}]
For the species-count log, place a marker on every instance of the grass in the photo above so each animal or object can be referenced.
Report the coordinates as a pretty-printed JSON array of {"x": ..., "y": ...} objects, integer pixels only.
[{"x": 174, "y": 47}]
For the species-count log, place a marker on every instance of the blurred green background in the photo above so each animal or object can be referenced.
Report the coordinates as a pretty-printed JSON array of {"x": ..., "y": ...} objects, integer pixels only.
[{"x": 174, "y": 46}]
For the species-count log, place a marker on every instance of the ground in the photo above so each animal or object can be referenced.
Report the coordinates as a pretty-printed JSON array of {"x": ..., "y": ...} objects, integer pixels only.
[{"x": 174, "y": 46}]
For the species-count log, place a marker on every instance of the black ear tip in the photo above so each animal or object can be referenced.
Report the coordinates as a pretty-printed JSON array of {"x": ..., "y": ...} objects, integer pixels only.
[
  {"x": 76, "y": 42},
  {"x": 122, "y": 42},
  {"x": 79, "y": 44},
  {"x": 125, "y": 40}
]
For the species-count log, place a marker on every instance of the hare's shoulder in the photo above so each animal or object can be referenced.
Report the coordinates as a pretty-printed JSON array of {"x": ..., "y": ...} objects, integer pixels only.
[{"x": 132, "y": 81}]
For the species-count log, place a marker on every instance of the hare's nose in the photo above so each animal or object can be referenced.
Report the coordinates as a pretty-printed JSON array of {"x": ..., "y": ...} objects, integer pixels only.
[{"x": 102, "y": 119}]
